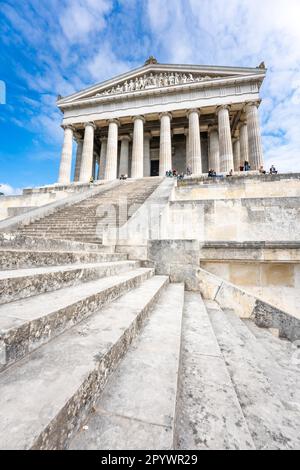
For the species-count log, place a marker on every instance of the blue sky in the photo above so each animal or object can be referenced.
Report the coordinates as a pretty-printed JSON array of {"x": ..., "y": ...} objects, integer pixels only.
[{"x": 61, "y": 46}]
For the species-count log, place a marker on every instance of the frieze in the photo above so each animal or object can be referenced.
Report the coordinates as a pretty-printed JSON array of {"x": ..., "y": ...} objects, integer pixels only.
[{"x": 157, "y": 80}]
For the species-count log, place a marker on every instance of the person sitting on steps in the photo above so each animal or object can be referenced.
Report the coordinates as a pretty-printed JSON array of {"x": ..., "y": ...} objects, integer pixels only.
[
  {"x": 273, "y": 170},
  {"x": 261, "y": 170}
]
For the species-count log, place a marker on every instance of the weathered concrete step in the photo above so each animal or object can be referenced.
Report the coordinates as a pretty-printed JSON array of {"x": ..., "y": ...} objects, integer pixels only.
[
  {"x": 18, "y": 241},
  {"x": 270, "y": 425},
  {"x": 28, "y": 323},
  {"x": 22, "y": 283},
  {"x": 46, "y": 225},
  {"x": 136, "y": 410},
  {"x": 66, "y": 238},
  {"x": 19, "y": 259},
  {"x": 285, "y": 353},
  {"x": 47, "y": 396},
  {"x": 209, "y": 415},
  {"x": 63, "y": 231},
  {"x": 285, "y": 380}
]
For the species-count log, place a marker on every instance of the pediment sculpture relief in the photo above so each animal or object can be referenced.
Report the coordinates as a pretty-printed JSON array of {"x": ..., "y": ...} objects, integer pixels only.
[{"x": 155, "y": 80}]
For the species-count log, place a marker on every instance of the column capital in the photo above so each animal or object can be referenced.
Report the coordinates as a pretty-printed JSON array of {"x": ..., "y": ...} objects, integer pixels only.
[
  {"x": 148, "y": 135},
  {"x": 252, "y": 103},
  {"x": 67, "y": 126},
  {"x": 186, "y": 132},
  {"x": 125, "y": 137},
  {"x": 223, "y": 106},
  {"x": 193, "y": 110},
  {"x": 115, "y": 121},
  {"x": 90, "y": 123},
  {"x": 103, "y": 139},
  {"x": 141, "y": 118},
  {"x": 212, "y": 128},
  {"x": 165, "y": 114}
]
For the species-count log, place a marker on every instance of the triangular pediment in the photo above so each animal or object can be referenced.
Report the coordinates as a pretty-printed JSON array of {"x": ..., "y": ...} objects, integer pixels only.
[{"x": 158, "y": 76}]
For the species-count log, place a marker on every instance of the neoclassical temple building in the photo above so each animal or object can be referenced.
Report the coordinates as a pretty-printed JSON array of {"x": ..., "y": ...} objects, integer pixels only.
[{"x": 161, "y": 117}]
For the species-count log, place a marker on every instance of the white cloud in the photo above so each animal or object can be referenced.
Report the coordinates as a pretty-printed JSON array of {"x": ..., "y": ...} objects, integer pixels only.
[
  {"x": 9, "y": 190},
  {"x": 105, "y": 64},
  {"x": 80, "y": 18}
]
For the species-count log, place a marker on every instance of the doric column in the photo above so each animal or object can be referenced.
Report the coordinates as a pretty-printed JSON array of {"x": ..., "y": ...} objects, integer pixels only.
[
  {"x": 254, "y": 136},
  {"x": 87, "y": 153},
  {"x": 165, "y": 150},
  {"x": 187, "y": 152},
  {"x": 79, "y": 141},
  {"x": 137, "y": 163},
  {"x": 194, "y": 142},
  {"x": 66, "y": 156},
  {"x": 124, "y": 155},
  {"x": 112, "y": 151},
  {"x": 214, "y": 149},
  {"x": 103, "y": 150},
  {"x": 236, "y": 154},
  {"x": 226, "y": 153},
  {"x": 147, "y": 156},
  {"x": 244, "y": 143}
]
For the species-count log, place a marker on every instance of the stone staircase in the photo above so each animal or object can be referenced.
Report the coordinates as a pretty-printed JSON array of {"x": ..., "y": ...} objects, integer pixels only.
[
  {"x": 86, "y": 220},
  {"x": 98, "y": 352}
]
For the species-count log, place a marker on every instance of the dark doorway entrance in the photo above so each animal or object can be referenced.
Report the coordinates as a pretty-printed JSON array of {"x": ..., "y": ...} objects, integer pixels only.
[{"x": 154, "y": 167}]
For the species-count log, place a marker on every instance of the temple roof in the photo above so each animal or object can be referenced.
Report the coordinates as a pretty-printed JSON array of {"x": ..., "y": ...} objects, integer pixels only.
[{"x": 153, "y": 75}]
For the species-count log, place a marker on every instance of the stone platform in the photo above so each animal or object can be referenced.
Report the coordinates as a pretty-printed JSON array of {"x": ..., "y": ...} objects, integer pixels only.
[{"x": 150, "y": 342}]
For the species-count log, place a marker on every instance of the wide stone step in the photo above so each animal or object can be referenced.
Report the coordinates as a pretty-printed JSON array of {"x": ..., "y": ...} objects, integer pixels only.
[
  {"x": 21, "y": 242},
  {"x": 209, "y": 415},
  {"x": 282, "y": 350},
  {"x": 285, "y": 379},
  {"x": 46, "y": 397},
  {"x": 136, "y": 410},
  {"x": 271, "y": 426},
  {"x": 21, "y": 259},
  {"x": 66, "y": 237},
  {"x": 22, "y": 283},
  {"x": 26, "y": 324},
  {"x": 62, "y": 231}
]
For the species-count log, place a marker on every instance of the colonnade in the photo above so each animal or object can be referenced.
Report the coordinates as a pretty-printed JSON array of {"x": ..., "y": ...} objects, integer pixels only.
[{"x": 225, "y": 153}]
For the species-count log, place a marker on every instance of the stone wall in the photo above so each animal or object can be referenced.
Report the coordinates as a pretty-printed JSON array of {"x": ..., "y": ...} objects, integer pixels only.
[
  {"x": 275, "y": 282},
  {"x": 247, "y": 305},
  {"x": 32, "y": 198},
  {"x": 252, "y": 219},
  {"x": 241, "y": 185}
]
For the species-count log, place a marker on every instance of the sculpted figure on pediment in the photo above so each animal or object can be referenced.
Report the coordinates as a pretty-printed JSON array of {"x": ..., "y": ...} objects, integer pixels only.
[
  {"x": 151, "y": 80},
  {"x": 137, "y": 84},
  {"x": 160, "y": 81},
  {"x": 142, "y": 83}
]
